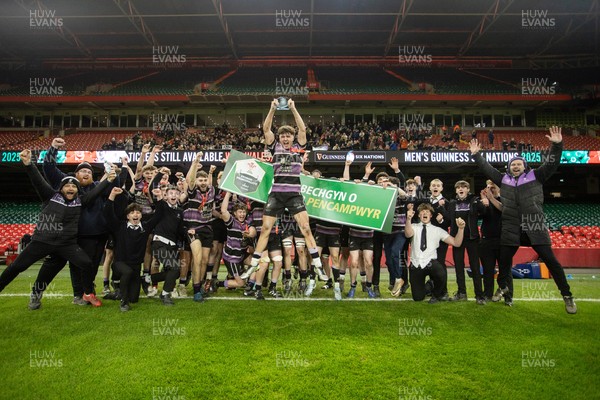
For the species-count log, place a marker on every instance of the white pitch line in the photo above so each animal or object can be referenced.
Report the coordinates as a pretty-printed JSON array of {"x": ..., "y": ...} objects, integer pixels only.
[{"x": 251, "y": 298}]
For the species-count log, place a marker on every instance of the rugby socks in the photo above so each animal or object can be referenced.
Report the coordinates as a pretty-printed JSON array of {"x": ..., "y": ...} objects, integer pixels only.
[
  {"x": 287, "y": 275},
  {"x": 336, "y": 273},
  {"x": 255, "y": 259},
  {"x": 209, "y": 268},
  {"x": 342, "y": 276},
  {"x": 369, "y": 284},
  {"x": 183, "y": 281},
  {"x": 363, "y": 276},
  {"x": 303, "y": 275},
  {"x": 197, "y": 287},
  {"x": 316, "y": 260}
]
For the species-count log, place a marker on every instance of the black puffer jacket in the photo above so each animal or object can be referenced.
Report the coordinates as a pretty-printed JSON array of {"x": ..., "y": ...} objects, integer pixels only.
[
  {"x": 58, "y": 223},
  {"x": 523, "y": 199}
]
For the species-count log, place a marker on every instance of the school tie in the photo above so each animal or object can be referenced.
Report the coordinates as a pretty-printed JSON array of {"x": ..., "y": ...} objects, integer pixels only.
[{"x": 424, "y": 238}]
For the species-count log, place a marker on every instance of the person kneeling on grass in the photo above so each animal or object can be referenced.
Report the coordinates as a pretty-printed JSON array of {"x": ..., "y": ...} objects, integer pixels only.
[
  {"x": 131, "y": 237},
  {"x": 55, "y": 233},
  {"x": 234, "y": 252},
  {"x": 423, "y": 255}
]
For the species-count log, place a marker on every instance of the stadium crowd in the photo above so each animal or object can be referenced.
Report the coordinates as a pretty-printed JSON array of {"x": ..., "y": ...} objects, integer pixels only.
[
  {"x": 151, "y": 226},
  {"x": 333, "y": 136}
]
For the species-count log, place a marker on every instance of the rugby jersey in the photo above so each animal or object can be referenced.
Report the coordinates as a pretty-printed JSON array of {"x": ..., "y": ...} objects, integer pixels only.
[
  {"x": 287, "y": 167},
  {"x": 361, "y": 233},
  {"x": 141, "y": 196},
  {"x": 399, "y": 216},
  {"x": 234, "y": 250},
  {"x": 197, "y": 211},
  {"x": 256, "y": 218},
  {"x": 328, "y": 228}
]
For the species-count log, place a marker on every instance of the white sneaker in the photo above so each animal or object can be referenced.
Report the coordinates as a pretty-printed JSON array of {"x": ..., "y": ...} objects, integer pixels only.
[
  {"x": 397, "y": 289},
  {"x": 311, "y": 286},
  {"x": 248, "y": 273},
  {"x": 152, "y": 291},
  {"x": 337, "y": 292},
  {"x": 181, "y": 291}
]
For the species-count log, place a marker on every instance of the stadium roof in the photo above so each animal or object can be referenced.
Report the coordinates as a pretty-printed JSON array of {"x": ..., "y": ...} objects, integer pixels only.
[{"x": 527, "y": 32}]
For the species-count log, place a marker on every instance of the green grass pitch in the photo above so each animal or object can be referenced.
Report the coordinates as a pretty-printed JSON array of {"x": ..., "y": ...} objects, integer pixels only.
[{"x": 234, "y": 348}]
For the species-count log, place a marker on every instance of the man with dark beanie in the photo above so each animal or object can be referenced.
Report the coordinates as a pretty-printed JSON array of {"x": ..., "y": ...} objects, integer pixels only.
[
  {"x": 55, "y": 233},
  {"x": 93, "y": 231},
  {"x": 523, "y": 220}
]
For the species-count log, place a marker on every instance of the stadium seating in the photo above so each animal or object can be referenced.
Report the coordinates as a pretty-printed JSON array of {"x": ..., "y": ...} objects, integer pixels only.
[
  {"x": 83, "y": 140},
  {"x": 536, "y": 136}
]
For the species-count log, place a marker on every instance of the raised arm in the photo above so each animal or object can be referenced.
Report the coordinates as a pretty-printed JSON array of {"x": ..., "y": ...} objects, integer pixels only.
[
  {"x": 456, "y": 241},
  {"x": 97, "y": 191},
  {"x": 408, "y": 228},
  {"x": 368, "y": 171},
  {"x": 51, "y": 171},
  {"x": 211, "y": 171},
  {"x": 346, "y": 174},
  {"x": 269, "y": 136},
  {"x": 43, "y": 188},
  {"x": 140, "y": 164},
  {"x": 549, "y": 167},
  {"x": 491, "y": 172},
  {"x": 299, "y": 123},
  {"x": 109, "y": 209},
  {"x": 156, "y": 149},
  {"x": 191, "y": 175},
  {"x": 225, "y": 215},
  {"x": 395, "y": 166}
]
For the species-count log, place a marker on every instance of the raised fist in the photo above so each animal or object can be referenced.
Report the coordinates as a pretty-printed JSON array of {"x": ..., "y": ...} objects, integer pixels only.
[
  {"x": 57, "y": 143},
  {"x": 26, "y": 157}
]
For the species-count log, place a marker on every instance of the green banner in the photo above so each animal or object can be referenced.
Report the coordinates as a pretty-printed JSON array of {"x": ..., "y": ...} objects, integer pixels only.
[
  {"x": 247, "y": 176},
  {"x": 348, "y": 203}
]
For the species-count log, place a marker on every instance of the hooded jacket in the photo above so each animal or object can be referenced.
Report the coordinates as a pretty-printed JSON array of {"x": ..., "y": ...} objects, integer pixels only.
[
  {"x": 523, "y": 199},
  {"x": 58, "y": 222},
  {"x": 92, "y": 220}
]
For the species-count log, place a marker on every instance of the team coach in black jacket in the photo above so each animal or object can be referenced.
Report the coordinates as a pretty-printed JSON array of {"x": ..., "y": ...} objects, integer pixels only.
[{"x": 523, "y": 220}]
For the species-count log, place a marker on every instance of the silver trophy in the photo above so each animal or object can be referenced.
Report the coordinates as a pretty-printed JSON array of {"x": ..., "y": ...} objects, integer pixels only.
[{"x": 282, "y": 104}]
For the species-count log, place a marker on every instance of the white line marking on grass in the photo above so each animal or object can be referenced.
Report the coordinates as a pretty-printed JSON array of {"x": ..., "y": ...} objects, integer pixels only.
[{"x": 251, "y": 298}]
